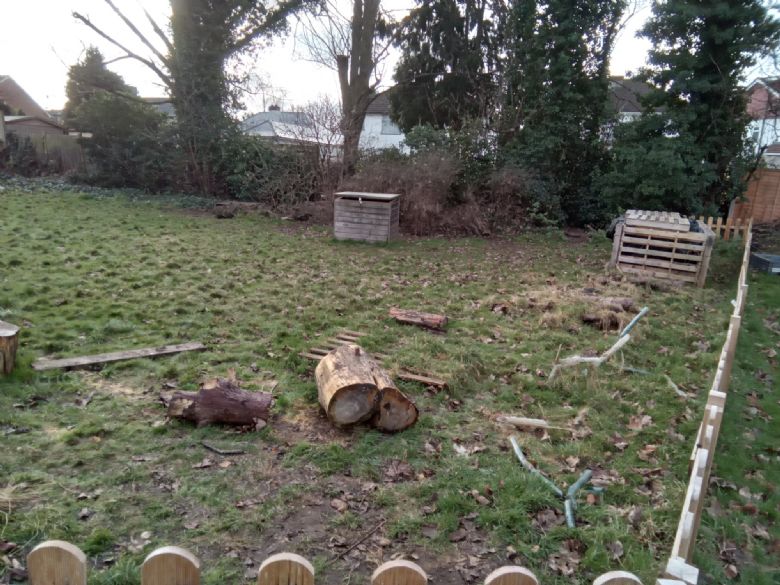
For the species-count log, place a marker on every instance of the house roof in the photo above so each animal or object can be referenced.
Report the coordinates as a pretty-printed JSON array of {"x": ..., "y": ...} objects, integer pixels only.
[
  {"x": 289, "y": 127},
  {"x": 771, "y": 83},
  {"x": 11, "y": 120},
  {"x": 625, "y": 94},
  {"x": 379, "y": 105},
  {"x": 276, "y": 116},
  {"x": 18, "y": 99}
]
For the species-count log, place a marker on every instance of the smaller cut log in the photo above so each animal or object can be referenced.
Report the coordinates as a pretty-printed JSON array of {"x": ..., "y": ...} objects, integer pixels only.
[
  {"x": 346, "y": 386},
  {"x": 9, "y": 342},
  {"x": 221, "y": 401},
  {"x": 427, "y": 320},
  {"x": 395, "y": 411}
]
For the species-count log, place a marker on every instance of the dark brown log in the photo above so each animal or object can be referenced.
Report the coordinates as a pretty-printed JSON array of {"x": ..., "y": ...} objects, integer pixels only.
[
  {"x": 221, "y": 401},
  {"x": 9, "y": 342},
  {"x": 427, "y": 320}
]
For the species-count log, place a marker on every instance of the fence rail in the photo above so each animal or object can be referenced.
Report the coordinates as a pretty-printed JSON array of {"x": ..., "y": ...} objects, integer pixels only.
[
  {"x": 679, "y": 565},
  {"x": 728, "y": 228},
  {"x": 56, "y": 562}
]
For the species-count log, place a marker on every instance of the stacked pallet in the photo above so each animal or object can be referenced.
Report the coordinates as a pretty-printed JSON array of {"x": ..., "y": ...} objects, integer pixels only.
[{"x": 661, "y": 245}]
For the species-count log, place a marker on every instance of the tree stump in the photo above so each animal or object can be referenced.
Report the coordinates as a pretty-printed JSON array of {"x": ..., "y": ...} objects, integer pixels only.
[
  {"x": 427, "y": 320},
  {"x": 221, "y": 401},
  {"x": 9, "y": 342},
  {"x": 352, "y": 388}
]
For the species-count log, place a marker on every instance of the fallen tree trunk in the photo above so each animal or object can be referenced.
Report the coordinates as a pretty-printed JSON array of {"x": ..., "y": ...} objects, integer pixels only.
[
  {"x": 9, "y": 342},
  {"x": 353, "y": 388},
  {"x": 427, "y": 320},
  {"x": 221, "y": 401}
]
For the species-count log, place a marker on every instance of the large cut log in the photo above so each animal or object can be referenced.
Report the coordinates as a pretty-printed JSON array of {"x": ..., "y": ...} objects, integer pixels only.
[
  {"x": 221, "y": 401},
  {"x": 346, "y": 386},
  {"x": 9, "y": 342},
  {"x": 395, "y": 411},
  {"x": 427, "y": 320}
]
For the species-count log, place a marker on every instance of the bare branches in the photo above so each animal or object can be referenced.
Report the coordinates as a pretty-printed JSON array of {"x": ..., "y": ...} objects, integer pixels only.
[
  {"x": 156, "y": 28},
  {"x": 129, "y": 54},
  {"x": 138, "y": 33},
  {"x": 272, "y": 21}
]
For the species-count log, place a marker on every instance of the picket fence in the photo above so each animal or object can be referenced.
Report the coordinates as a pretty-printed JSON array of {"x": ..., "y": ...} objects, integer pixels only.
[
  {"x": 679, "y": 564},
  {"x": 56, "y": 562},
  {"x": 729, "y": 228}
]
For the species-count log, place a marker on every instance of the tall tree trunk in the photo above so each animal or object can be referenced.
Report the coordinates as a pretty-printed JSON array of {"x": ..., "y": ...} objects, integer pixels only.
[
  {"x": 200, "y": 89},
  {"x": 355, "y": 71}
]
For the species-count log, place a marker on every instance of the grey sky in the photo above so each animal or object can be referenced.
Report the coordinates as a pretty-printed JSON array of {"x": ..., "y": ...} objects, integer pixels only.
[{"x": 40, "y": 39}]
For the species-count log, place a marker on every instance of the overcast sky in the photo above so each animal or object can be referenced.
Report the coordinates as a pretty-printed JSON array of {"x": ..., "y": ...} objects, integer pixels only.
[{"x": 39, "y": 39}]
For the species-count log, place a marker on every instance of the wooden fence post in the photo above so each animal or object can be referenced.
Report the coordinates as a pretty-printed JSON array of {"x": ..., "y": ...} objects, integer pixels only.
[
  {"x": 511, "y": 575},
  {"x": 399, "y": 573},
  {"x": 170, "y": 565},
  {"x": 285, "y": 569},
  {"x": 9, "y": 342},
  {"x": 56, "y": 562},
  {"x": 617, "y": 578}
]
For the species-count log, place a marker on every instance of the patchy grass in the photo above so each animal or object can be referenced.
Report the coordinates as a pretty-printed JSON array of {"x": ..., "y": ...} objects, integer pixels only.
[{"x": 85, "y": 274}]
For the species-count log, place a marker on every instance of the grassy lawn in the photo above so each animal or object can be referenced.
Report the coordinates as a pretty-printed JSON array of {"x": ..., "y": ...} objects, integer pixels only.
[{"x": 89, "y": 274}]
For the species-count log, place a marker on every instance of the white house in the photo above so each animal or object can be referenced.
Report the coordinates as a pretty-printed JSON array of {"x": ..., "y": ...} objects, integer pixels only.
[{"x": 379, "y": 131}]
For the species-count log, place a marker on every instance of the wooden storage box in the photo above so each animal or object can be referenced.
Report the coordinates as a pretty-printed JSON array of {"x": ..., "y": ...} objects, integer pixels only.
[
  {"x": 368, "y": 217},
  {"x": 661, "y": 245}
]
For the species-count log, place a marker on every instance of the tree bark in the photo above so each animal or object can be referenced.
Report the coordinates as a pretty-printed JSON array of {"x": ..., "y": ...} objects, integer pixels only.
[
  {"x": 221, "y": 401},
  {"x": 346, "y": 385},
  {"x": 9, "y": 342},
  {"x": 427, "y": 320}
]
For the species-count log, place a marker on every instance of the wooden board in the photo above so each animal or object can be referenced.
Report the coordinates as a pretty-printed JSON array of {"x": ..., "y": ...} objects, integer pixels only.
[
  {"x": 664, "y": 234},
  {"x": 354, "y": 195},
  {"x": 117, "y": 356}
]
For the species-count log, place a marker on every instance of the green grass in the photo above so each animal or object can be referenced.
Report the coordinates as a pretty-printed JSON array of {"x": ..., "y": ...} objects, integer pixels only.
[{"x": 86, "y": 274}]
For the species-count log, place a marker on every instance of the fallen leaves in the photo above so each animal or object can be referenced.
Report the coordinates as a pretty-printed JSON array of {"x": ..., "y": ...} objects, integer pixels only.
[
  {"x": 567, "y": 559},
  {"x": 397, "y": 471},
  {"x": 637, "y": 422}
]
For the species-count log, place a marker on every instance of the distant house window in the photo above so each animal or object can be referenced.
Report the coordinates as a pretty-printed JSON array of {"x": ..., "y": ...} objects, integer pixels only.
[{"x": 389, "y": 127}]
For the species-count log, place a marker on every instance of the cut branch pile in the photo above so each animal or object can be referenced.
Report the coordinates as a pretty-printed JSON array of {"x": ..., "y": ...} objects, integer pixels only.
[{"x": 353, "y": 388}]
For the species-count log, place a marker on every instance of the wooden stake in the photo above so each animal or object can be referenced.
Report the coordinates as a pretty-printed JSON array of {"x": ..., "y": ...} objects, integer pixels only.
[
  {"x": 56, "y": 562},
  {"x": 9, "y": 342}
]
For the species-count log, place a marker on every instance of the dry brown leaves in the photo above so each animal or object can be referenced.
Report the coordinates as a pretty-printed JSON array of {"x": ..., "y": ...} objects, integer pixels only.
[{"x": 568, "y": 557}]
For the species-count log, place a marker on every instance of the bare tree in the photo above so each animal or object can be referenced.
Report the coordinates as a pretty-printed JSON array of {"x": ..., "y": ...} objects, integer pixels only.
[{"x": 353, "y": 46}]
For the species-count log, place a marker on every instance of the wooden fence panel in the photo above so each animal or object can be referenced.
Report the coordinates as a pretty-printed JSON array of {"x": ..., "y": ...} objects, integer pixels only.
[
  {"x": 56, "y": 562},
  {"x": 762, "y": 198},
  {"x": 170, "y": 565}
]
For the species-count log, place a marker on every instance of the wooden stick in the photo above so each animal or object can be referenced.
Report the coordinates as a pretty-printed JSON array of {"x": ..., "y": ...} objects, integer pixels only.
[
  {"x": 357, "y": 543},
  {"x": 531, "y": 423}
]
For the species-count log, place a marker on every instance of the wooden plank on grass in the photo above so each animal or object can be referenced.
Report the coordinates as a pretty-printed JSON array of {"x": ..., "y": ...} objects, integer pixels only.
[
  {"x": 116, "y": 356},
  {"x": 410, "y": 377}
]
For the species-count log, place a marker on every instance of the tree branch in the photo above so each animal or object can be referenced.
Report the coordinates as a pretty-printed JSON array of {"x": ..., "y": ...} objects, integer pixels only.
[
  {"x": 150, "y": 64},
  {"x": 159, "y": 31},
  {"x": 274, "y": 21},
  {"x": 138, "y": 33}
]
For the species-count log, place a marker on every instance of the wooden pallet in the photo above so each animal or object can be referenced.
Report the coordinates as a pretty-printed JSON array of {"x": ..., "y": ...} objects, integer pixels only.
[
  {"x": 346, "y": 336},
  {"x": 661, "y": 252},
  {"x": 666, "y": 220}
]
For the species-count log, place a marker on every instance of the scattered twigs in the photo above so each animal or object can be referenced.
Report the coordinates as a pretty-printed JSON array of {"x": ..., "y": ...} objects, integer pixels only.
[
  {"x": 219, "y": 451},
  {"x": 357, "y": 543},
  {"x": 528, "y": 423},
  {"x": 634, "y": 321},
  {"x": 527, "y": 464},
  {"x": 595, "y": 361}
]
